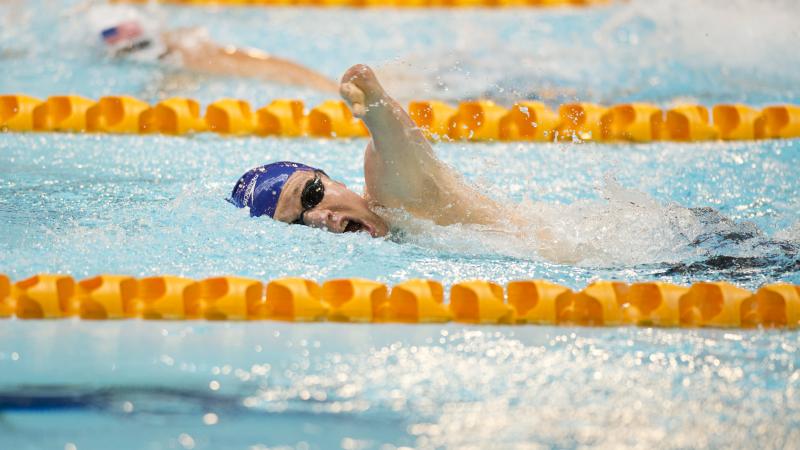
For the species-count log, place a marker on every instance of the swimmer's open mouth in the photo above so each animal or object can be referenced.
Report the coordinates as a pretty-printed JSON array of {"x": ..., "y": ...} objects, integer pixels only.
[{"x": 353, "y": 226}]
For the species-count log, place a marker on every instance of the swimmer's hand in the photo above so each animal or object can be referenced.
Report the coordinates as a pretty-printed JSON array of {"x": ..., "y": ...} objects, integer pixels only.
[
  {"x": 354, "y": 98},
  {"x": 360, "y": 89}
]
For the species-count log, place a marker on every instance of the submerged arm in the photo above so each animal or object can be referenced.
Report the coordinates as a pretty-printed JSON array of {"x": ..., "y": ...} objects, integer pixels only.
[{"x": 200, "y": 54}]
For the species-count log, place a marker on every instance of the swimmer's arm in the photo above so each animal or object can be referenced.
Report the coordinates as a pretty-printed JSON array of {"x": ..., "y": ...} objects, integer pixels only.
[
  {"x": 401, "y": 169},
  {"x": 204, "y": 55}
]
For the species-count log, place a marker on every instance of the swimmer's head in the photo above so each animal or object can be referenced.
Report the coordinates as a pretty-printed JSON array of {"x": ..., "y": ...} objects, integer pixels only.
[
  {"x": 300, "y": 194},
  {"x": 125, "y": 32}
]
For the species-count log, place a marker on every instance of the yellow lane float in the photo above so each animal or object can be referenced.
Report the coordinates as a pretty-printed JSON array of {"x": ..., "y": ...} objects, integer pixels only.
[
  {"x": 354, "y": 299},
  {"x": 528, "y": 121},
  {"x": 230, "y": 116},
  {"x": 295, "y": 300},
  {"x": 231, "y": 298},
  {"x": 475, "y": 120},
  {"x": 116, "y": 114},
  {"x": 774, "y": 305},
  {"x": 175, "y": 115},
  {"x": 62, "y": 113},
  {"x": 686, "y": 123},
  {"x": 480, "y": 302},
  {"x": 735, "y": 122},
  {"x": 106, "y": 297},
  {"x": 580, "y": 121},
  {"x": 602, "y": 303},
  {"x": 45, "y": 296},
  {"x": 166, "y": 298},
  {"x": 535, "y": 300},
  {"x": 637, "y": 122},
  {"x": 653, "y": 304},
  {"x": 281, "y": 118},
  {"x": 16, "y": 112},
  {"x": 434, "y": 118},
  {"x": 7, "y": 303},
  {"x": 417, "y": 301},
  {"x": 778, "y": 122},
  {"x": 393, "y": 3},
  {"x": 333, "y": 119},
  {"x": 715, "y": 304}
]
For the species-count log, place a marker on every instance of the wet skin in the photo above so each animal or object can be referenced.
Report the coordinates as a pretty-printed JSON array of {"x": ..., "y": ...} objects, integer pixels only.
[{"x": 341, "y": 210}]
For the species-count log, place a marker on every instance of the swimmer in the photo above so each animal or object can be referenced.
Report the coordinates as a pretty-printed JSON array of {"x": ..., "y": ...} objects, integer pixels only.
[
  {"x": 401, "y": 171},
  {"x": 127, "y": 33}
]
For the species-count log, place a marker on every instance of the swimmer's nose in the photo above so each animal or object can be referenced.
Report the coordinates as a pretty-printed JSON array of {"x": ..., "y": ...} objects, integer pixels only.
[{"x": 322, "y": 218}]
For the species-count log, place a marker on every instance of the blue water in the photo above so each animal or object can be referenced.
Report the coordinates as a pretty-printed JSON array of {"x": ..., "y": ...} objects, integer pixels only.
[{"x": 142, "y": 205}]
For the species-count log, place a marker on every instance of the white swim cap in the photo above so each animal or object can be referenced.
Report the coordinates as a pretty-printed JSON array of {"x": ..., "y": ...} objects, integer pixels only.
[{"x": 127, "y": 32}]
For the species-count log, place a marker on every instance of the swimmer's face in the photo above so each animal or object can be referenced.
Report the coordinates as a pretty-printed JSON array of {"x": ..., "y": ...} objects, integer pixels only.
[{"x": 340, "y": 210}]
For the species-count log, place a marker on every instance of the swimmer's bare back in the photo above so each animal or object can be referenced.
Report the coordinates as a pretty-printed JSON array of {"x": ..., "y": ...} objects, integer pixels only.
[
  {"x": 400, "y": 167},
  {"x": 199, "y": 54}
]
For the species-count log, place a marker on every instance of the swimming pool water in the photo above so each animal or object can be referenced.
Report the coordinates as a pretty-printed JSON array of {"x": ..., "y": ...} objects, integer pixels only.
[{"x": 143, "y": 205}]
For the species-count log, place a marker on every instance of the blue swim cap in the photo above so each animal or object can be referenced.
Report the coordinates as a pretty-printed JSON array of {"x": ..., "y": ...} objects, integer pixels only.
[{"x": 260, "y": 188}]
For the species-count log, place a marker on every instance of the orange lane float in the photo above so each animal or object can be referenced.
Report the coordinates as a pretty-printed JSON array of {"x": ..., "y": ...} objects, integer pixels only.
[
  {"x": 354, "y": 299},
  {"x": 416, "y": 301},
  {"x": 735, "y": 122},
  {"x": 116, "y": 114},
  {"x": 686, "y": 123},
  {"x": 295, "y": 300},
  {"x": 479, "y": 120},
  {"x": 230, "y": 116},
  {"x": 62, "y": 113},
  {"x": 166, "y": 298},
  {"x": 638, "y": 122},
  {"x": 601, "y": 303},
  {"x": 333, "y": 119},
  {"x": 7, "y": 303},
  {"x": 16, "y": 112},
  {"x": 580, "y": 121},
  {"x": 597, "y": 304},
  {"x": 773, "y": 306},
  {"x": 528, "y": 121},
  {"x": 714, "y": 304},
  {"x": 535, "y": 300},
  {"x": 653, "y": 304},
  {"x": 175, "y": 115},
  {"x": 395, "y": 3},
  {"x": 106, "y": 297},
  {"x": 45, "y": 296},
  {"x": 281, "y": 118},
  {"x": 480, "y": 302},
  {"x": 231, "y": 298},
  {"x": 778, "y": 122},
  {"x": 432, "y": 117}
]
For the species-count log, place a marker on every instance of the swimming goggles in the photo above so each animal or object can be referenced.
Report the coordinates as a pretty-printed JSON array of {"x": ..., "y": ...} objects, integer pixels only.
[{"x": 312, "y": 195}]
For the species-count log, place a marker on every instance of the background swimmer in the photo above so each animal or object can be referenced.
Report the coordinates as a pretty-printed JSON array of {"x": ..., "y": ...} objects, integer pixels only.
[{"x": 128, "y": 33}]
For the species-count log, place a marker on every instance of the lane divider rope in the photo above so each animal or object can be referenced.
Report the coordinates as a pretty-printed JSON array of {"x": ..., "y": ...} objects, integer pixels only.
[
  {"x": 602, "y": 303},
  {"x": 480, "y": 120},
  {"x": 392, "y": 3}
]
